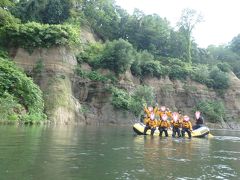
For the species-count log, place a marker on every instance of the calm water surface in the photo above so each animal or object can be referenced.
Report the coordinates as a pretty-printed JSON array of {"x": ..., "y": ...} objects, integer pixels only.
[{"x": 109, "y": 152}]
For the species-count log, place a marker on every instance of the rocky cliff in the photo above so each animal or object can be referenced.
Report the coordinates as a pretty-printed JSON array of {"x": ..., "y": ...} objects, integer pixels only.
[{"x": 70, "y": 99}]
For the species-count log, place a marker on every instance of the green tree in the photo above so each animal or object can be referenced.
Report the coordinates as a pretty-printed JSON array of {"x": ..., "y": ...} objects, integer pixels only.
[
  {"x": 6, "y": 3},
  {"x": 102, "y": 17},
  {"x": 220, "y": 80},
  {"x": 56, "y": 11},
  {"x": 235, "y": 44},
  {"x": 187, "y": 23},
  {"x": 177, "y": 45},
  {"x": 117, "y": 56},
  {"x": 30, "y": 10},
  {"x": 6, "y": 18},
  {"x": 149, "y": 32}
]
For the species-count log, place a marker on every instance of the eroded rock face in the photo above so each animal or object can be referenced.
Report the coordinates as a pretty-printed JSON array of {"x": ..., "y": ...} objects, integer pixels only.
[
  {"x": 58, "y": 64},
  {"x": 55, "y": 59},
  {"x": 71, "y": 99}
]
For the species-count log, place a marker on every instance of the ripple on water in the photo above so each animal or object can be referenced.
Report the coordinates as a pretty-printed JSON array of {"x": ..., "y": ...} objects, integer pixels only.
[
  {"x": 179, "y": 159},
  {"x": 228, "y": 138},
  {"x": 228, "y": 152},
  {"x": 120, "y": 148},
  {"x": 218, "y": 171}
]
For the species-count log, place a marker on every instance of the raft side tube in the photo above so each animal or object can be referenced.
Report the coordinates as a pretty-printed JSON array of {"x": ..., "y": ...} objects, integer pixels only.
[{"x": 201, "y": 132}]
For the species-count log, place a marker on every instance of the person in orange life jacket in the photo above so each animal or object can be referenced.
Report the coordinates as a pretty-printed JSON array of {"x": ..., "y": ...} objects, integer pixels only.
[
  {"x": 199, "y": 120},
  {"x": 161, "y": 111},
  {"x": 151, "y": 123},
  {"x": 186, "y": 126},
  {"x": 176, "y": 124},
  {"x": 164, "y": 125},
  {"x": 150, "y": 109},
  {"x": 147, "y": 113}
]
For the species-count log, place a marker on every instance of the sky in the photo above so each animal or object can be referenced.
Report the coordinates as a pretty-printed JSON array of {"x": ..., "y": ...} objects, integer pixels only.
[{"x": 221, "y": 17}]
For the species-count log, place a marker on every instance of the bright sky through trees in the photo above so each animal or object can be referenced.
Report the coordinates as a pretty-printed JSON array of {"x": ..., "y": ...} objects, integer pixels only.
[{"x": 221, "y": 17}]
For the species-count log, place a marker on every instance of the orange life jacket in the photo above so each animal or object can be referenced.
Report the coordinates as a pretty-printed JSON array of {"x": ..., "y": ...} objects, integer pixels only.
[
  {"x": 176, "y": 124},
  {"x": 164, "y": 124},
  {"x": 187, "y": 124},
  {"x": 151, "y": 123}
]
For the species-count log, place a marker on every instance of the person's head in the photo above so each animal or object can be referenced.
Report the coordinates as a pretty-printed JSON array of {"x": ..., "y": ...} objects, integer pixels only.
[
  {"x": 186, "y": 118},
  {"x": 197, "y": 114},
  {"x": 179, "y": 112},
  {"x": 150, "y": 108},
  {"x": 163, "y": 108},
  {"x": 152, "y": 116},
  {"x": 175, "y": 116},
  {"x": 164, "y": 117}
]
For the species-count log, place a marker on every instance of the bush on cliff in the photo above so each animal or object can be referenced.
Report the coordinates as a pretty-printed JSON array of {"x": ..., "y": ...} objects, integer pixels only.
[
  {"x": 133, "y": 102},
  {"x": 33, "y": 35},
  {"x": 117, "y": 56},
  {"x": 91, "y": 54},
  {"x": 6, "y": 18},
  {"x": 220, "y": 79},
  {"x": 19, "y": 93}
]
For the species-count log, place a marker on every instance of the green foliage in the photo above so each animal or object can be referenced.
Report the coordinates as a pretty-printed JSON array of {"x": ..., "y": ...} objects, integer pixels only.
[
  {"x": 56, "y": 11},
  {"x": 6, "y": 3},
  {"x": 39, "y": 67},
  {"x": 189, "y": 19},
  {"x": 91, "y": 54},
  {"x": 144, "y": 94},
  {"x": 148, "y": 32},
  {"x": 121, "y": 99},
  {"x": 214, "y": 111},
  {"x": 153, "y": 68},
  {"x": 136, "y": 68},
  {"x": 140, "y": 58},
  {"x": 3, "y": 53},
  {"x": 102, "y": 16},
  {"x": 6, "y": 18},
  {"x": 10, "y": 109},
  {"x": 200, "y": 74},
  {"x": 14, "y": 82},
  {"x": 222, "y": 53},
  {"x": 235, "y": 44},
  {"x": 220, "y": 80},
  {"x": 43, "y": 11},
  {"x": 117, "y": 56},
  {"x": 178, "y": 72},
  {"x": 33, "y": 35},
  {"x": 93, "y": 75},
  {"x": 224, "y": 67},
  {"x": 177, "y": 68}
]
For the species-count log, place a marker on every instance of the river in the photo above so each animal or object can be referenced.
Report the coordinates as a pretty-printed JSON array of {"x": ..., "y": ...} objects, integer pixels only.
[{"x": 111, "y": 152}]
